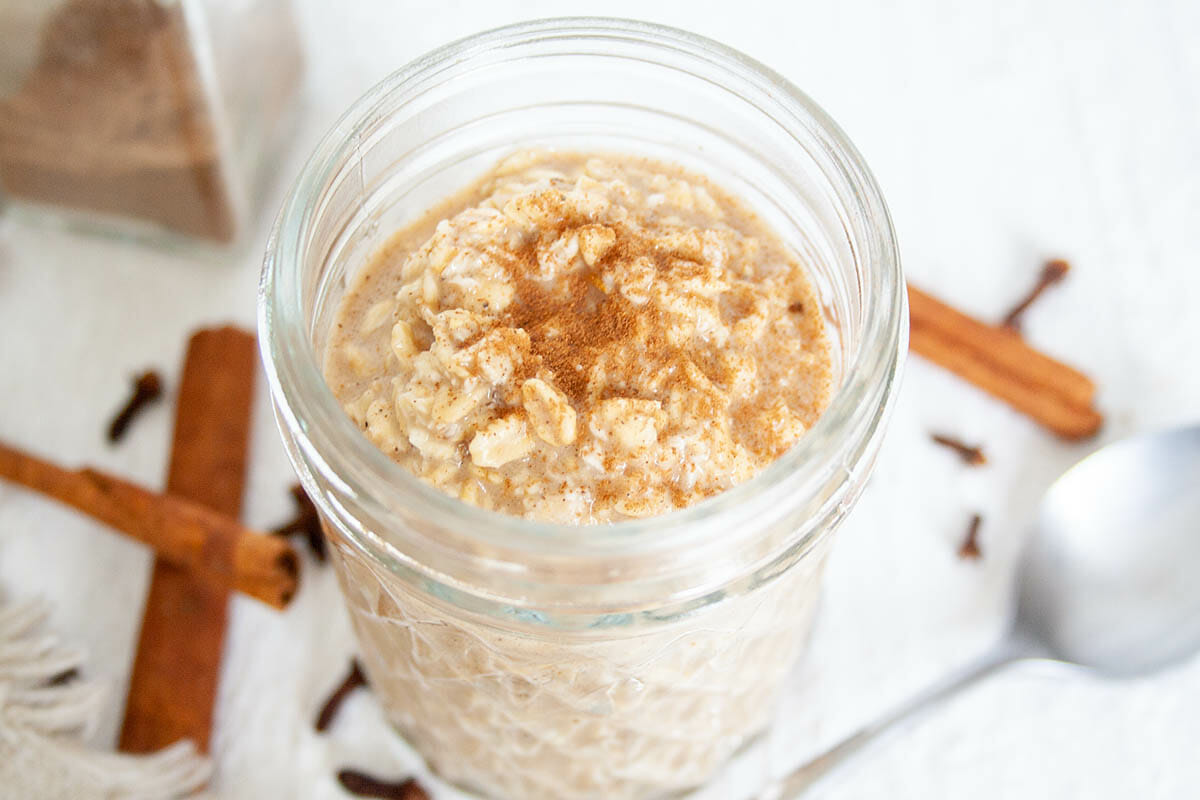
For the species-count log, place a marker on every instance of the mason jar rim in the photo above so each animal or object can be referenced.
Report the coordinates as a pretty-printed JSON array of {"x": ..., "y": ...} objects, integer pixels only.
[{"x": 333, "y": 446}]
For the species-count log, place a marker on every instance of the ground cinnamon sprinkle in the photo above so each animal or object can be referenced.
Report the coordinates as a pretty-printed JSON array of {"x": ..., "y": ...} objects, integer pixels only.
[{"x": 573, "y": 323}]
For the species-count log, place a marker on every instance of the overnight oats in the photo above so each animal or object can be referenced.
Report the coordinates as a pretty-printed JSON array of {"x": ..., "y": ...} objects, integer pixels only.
[
  {"x": 580, "y": 416},
  {"x": 580, "y": 339},
  {"x": 583, "y": 339}
]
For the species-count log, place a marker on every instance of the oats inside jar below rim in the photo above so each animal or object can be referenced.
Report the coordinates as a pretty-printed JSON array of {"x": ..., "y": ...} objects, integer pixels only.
[{"x": 583, "y": 338}]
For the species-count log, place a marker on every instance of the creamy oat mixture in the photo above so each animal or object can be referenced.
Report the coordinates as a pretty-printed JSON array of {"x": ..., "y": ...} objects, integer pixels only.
[
  {"x": 583, "y": 339},
  {"x": 637, "y": 714},
  {"x": 580, "y": 339}
]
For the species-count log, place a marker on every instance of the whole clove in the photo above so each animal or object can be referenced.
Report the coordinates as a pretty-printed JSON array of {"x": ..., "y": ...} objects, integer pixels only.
[
  {"x": 1053, "y": 272},
  {"x": 364, "y": 785},
  {"x": 63, "y": 678},
  {"x": 307, "y": 522},
  {"x": 972, "y": 455},
  {"x": 147, "y": 389},
  {"x": 969, "y": 549},
  {"x": 353, "y": 680}
]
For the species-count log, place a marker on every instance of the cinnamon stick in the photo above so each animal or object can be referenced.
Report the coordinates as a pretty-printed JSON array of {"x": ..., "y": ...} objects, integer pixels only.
[
  {"x": 180, "y": 531},
  {"x": 999, "y": 361},
  {"x": 174, "y": 682}
]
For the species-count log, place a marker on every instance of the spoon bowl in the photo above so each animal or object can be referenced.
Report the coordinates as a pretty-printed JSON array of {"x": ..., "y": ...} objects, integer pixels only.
[{"x": 1110, "y": 579}]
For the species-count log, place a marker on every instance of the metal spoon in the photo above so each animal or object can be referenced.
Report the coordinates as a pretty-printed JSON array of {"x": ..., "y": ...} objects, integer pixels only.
[{"x": 1110, "y": 580}]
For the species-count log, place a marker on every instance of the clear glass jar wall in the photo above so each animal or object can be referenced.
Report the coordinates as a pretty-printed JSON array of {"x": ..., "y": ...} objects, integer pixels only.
[
  {"x": 528, "y": 660},
  {"x": 138, "y": 116}
]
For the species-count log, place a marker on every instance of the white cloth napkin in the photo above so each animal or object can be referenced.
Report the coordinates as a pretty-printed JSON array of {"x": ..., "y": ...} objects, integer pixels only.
[{"x": 43, "y": 726}]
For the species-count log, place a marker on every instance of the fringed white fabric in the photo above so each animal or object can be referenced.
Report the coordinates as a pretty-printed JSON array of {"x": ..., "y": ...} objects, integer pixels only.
[{"x": 43, "y": 725}]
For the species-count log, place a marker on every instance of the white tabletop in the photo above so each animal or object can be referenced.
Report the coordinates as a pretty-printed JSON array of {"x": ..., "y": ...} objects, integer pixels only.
[{"x": 1001, "y": 133}]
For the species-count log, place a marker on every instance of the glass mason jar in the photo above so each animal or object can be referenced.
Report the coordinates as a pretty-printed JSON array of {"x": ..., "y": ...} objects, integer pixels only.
[
  {"x": 139, "y": 116},
  {"x": 526, "y": 660}
]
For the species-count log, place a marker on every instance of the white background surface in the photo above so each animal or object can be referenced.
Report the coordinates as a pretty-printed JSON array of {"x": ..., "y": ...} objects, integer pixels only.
[{"x": 1001, "y": 134}]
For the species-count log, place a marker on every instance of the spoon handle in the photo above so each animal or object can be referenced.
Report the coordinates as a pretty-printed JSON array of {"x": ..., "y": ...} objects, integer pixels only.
[{"x": 796, "y": 783}]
